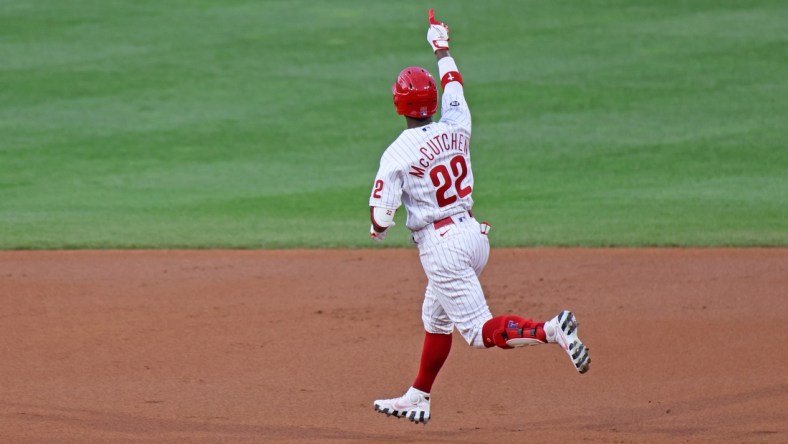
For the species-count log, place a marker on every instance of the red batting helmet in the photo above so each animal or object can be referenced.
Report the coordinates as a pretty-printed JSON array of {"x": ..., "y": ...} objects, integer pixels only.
[{"x": 415, "y": 93}]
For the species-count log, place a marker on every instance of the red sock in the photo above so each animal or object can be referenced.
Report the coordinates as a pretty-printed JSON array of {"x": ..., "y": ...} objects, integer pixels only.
[{"x": 433, "y": 355}]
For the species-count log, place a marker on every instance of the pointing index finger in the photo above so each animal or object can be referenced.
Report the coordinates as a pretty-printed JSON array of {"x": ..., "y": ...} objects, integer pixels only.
[{"x": 432, "y": 18}]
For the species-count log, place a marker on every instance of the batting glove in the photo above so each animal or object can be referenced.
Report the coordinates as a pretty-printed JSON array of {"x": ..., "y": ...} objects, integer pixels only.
[
  {"x": 437, "y": 34},
  {"x": 378, "y": 237}
]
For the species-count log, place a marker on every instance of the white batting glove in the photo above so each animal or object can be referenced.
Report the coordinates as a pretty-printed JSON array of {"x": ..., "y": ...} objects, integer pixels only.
[
  {"x": 378, "y": 237},
  {"x": 437, "y": 34}
]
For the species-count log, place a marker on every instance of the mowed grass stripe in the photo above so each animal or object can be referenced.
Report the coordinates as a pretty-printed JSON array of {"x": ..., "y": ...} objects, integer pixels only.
[{"x": 259, "y": 124}]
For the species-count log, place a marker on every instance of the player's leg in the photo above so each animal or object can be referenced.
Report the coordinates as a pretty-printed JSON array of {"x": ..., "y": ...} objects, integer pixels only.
[
  {"x": 464, "y": 303},
  {"x": 415, "y": 403},
  {"x": 453, "y": 271},
  {"x": 512, "y": 331},
  {"x": 438, "y": 326},
  {"x": 454, "y": 277},
  {"x": 434, "y": 352},
  {"x": 437, "y": 341}
]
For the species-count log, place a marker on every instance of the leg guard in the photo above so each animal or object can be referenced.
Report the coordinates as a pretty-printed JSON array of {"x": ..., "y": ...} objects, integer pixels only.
[{"x": 512, "y": 331}]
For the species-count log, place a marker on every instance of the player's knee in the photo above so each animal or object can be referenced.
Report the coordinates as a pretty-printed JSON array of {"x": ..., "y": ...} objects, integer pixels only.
[
  {"x": 435, "y": 326},
  {"x": 512, "y": 331}
]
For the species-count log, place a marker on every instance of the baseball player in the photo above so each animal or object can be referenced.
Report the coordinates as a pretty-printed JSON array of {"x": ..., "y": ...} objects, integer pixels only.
[{"x": 428, "y": 168}]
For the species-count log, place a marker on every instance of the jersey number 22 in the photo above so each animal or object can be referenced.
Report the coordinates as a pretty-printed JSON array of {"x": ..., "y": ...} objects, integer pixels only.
[{"x": 444, "y": 177}]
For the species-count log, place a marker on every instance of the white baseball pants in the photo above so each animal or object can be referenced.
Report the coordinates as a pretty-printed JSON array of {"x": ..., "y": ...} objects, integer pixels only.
[{"x": 453, "y": 257}]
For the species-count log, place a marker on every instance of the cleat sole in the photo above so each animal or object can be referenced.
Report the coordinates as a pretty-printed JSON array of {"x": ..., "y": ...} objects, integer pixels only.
[
  {"x": 577, "y": 351},
  {"x": 410, "y": 416}
]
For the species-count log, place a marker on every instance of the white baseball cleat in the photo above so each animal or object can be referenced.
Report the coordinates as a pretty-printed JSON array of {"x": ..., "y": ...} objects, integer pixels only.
[
  {"x": 414, "y": 405},
  {"x": 562, "y": 330}
]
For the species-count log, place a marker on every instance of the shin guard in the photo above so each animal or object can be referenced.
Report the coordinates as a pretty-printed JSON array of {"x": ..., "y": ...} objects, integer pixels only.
[{"x": 512, "y": 331}]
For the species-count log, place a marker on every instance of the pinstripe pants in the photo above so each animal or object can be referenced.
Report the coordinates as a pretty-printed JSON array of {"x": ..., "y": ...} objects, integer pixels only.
[{"x": 453, "y": 257}]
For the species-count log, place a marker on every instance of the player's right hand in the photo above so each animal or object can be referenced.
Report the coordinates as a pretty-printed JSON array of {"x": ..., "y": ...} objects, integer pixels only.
[
  {"x": 378, "y": 237},
  {"x": 437, "y": 33}
]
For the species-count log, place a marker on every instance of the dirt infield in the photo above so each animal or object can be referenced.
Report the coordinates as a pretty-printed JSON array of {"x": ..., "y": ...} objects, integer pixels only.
[{"x": 292, "y": 346}]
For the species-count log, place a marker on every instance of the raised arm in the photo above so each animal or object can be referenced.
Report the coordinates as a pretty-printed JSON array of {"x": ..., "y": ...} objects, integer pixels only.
[{"x": 453, "y": 106}]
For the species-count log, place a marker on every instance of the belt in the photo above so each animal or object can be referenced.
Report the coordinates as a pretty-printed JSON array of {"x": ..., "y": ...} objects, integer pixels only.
[
  {"x": 440, "y": 223},
  {"x": 446, "y": 221}
]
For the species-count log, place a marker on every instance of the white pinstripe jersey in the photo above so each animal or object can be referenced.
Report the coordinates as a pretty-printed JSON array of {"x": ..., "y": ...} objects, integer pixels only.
[{"x": 429, "y": 168}]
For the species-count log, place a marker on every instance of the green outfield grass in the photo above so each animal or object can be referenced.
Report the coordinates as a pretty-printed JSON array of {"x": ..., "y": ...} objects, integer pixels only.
[{"x": 249, "y": 124}]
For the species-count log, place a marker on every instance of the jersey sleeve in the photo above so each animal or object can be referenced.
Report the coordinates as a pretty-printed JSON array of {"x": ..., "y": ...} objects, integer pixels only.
[
  {"x": 387, "y": 188},
  {"x": 454, "y": 109}
]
